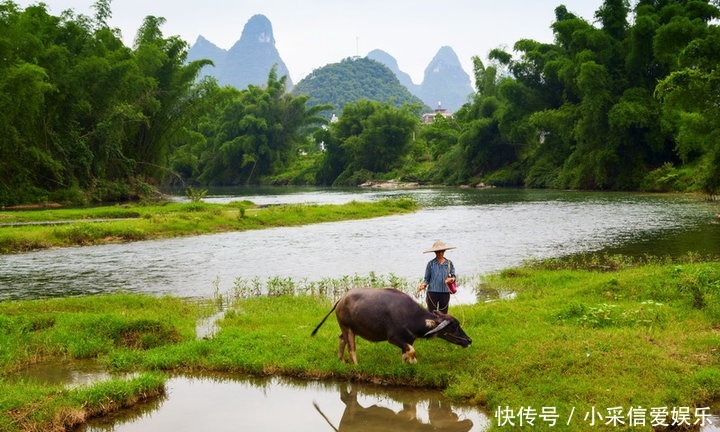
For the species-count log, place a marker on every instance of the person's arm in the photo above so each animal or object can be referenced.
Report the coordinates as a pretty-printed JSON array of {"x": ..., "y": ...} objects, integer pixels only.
[
  {"x": 453, "y": 278},
  {"x": 426, "y": 281}
]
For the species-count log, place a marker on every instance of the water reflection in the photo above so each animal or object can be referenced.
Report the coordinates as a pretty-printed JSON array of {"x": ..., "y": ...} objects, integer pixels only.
[
  {"x": 377, "y": 417},
  {"x": 231, "y": 404},
  {"x": 66, "y": 373}
]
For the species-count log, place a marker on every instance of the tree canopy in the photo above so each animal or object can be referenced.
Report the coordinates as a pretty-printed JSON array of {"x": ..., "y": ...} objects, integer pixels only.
[
  {"x": 629, "y": 101},
  {"x": 603, "y": 107},
  {"x": 81, "y": 111},
  {"x": 354, "y": 79}
]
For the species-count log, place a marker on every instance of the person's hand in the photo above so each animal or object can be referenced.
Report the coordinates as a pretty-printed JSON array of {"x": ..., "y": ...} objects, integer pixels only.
[
  {"x": 450, "y": 279},
  {"x": 421, "y": 287}
]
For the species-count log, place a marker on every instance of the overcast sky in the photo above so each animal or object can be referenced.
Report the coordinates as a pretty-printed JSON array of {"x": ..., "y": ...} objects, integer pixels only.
[{"x": 312, "y": 33}]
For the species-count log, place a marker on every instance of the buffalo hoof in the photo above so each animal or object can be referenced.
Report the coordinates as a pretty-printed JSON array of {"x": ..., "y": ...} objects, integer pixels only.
[
  {"x": 409, "y": 356},
  {"x": 411, "y": 360}
]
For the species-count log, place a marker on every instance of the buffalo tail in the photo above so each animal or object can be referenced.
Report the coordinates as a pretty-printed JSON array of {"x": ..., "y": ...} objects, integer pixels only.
[{"x": 323, "y": 320}]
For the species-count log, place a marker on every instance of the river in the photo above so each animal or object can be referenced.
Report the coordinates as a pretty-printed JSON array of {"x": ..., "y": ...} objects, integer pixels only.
[{"x": 492, "y": 229}]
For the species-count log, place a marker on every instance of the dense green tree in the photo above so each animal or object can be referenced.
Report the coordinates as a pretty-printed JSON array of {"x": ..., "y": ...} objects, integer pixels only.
[
  {"x": 582, "y": 112},
  {"x": 169, "y": 100},
  {"x": 56, "y": 75},
  {"x": 82, "y": 111},
  {"x": 370, "y": 137},
  {"x": 440, "y": 136},
  {"x": 692, "y": 107},
  {"x": 628, "y": 101},
  {"x": 258, "y": 133}
]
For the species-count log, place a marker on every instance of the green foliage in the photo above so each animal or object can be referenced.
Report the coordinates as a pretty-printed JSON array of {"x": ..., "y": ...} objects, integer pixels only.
[
  {"x": 582, "y": 112},
  {"x": 79, "y": 108},
  {"x": 663, "y": 179},
  {"x": 370, "y": 137},
  {"x": 701, "y": 286},
  {"x": 195, "y": 195},
  {"x": 248, "y": 135},
  {"x": 629, "y": 103},
  {"x": 352, "y": 80}
]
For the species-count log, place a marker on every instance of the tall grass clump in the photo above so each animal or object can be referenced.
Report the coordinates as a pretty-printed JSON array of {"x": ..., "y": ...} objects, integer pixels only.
[
  {"x": 195, "y": 195},
  {"x": 326, "y": 287},
  {"x": 35, "y": 407},
  {"x": 700, "y": 287},
  {"x": 90, "y": 327}
]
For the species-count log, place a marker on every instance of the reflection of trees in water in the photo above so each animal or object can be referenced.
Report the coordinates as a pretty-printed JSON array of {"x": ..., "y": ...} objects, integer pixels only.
[{"x": 377, "y": 417}]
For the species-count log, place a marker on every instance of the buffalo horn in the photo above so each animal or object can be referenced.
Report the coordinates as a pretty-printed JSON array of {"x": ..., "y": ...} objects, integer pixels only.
[{"x": 441, "y": 326}]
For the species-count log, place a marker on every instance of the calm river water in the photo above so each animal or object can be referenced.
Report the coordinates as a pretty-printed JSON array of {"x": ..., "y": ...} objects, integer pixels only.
[{"x": 492, "y": 229}]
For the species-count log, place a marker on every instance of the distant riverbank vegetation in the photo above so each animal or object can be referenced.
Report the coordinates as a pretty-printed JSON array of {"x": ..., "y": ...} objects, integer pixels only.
[
  {"x": 22, "y": 231},
  {"x": 633, "y": 338},
  {"x": 627, "y": 102}
]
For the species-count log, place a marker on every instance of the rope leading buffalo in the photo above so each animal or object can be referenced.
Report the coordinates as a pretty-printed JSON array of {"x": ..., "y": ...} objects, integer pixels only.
[{"x": 390, "y": 315}]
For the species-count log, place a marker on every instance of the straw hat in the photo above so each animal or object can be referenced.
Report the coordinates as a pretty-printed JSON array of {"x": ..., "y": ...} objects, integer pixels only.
[{"x": 439, "y": 246}]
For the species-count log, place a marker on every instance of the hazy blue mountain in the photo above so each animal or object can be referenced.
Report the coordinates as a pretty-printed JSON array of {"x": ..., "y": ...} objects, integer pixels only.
[
  {"x": 248, "y": 61},
  {"x": 389, "y": 61},
  {"x": 445, "y": 81},
  {"x": 204, "y": 49},
  {"x": 353, "y": 79}
]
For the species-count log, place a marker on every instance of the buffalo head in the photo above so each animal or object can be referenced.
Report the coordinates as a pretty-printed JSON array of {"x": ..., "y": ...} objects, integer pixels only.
[{"x": 450, "y": 330}]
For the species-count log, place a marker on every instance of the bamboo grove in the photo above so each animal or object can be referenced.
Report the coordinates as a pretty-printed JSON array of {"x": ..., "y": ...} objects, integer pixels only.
[{"x": 629, "y": 101}]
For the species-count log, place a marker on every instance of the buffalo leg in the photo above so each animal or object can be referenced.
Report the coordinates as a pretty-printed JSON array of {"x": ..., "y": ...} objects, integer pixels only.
[
  {"x": 347, "y": 338},
  {"x": 351, "y": 346},
  {"x": 407, "y": 348},
  {"x": 341, "y": 346},
  {"x": 408, "y": 355}
]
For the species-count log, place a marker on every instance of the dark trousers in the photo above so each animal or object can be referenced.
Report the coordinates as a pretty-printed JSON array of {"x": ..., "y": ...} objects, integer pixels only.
[{"x": 438, "y": 301}]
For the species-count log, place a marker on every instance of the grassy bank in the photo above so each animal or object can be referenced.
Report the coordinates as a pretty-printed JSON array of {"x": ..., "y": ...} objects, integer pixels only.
[
  {"x": 574, "y": 340},
  {"x": 83, "y": 328},
  {"x": 38, "y": 229}
]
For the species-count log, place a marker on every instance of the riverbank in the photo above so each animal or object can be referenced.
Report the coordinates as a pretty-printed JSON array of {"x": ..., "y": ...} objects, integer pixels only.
[
  {"x": 27, "y": 230},
  {"x": 572, "y": 340}
]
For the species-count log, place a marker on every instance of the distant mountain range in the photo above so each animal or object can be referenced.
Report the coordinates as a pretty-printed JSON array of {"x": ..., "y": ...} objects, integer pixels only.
[
  {"x": 249, "y": 61},
  {"x": 445, "y": 82}
]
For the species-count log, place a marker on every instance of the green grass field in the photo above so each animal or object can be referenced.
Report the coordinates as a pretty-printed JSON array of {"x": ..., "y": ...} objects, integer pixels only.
[{"x": 578, "y": 341}]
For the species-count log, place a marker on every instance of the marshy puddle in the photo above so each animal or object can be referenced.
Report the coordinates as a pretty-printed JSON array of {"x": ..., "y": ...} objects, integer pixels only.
[
  {"x": 277, "y": 404},
  {"x": 66, "y": 373},
  {"x": 220, "y": 403},
  {"x": 206, "y": 327},
  {"x": 486, "y": 294}
]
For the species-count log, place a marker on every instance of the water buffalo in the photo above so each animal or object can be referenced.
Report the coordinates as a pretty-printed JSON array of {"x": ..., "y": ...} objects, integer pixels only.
[{"x": 393, "y": 316}]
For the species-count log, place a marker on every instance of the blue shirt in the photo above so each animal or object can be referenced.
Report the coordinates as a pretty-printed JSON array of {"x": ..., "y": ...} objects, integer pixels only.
[{"x": 436, "y": 273}]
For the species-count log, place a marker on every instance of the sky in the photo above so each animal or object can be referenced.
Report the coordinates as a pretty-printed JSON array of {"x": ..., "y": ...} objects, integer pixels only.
[{"x": 312, "y": 33}]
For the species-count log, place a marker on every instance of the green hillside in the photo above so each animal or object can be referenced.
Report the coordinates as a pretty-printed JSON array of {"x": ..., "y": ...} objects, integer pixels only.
[{"x": 351, "y": 80}]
